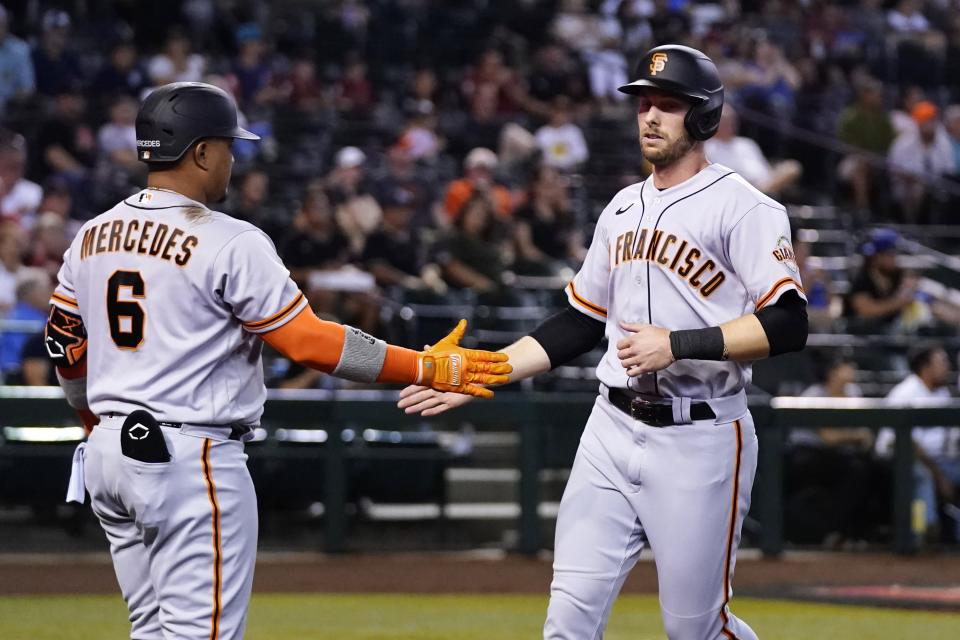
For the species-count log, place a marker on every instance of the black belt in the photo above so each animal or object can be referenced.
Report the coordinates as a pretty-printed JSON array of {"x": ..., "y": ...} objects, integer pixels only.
[
  {"x": 236, "y": 431},
  {"x": 655, "y": 414}
]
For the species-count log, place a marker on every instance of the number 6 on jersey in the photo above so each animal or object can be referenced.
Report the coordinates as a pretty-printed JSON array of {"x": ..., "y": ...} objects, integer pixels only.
[{"x": 127, "y": 317}]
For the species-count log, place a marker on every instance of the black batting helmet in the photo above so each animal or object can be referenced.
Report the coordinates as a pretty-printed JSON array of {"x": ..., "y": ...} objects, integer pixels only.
[
  {"x": 178, "y": 114},
  {"x": 690, "y": 73}
]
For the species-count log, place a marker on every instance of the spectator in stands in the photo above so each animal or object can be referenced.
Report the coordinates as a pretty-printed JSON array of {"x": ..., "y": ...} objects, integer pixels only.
[
  {"x": 419, "y": 137},
  {"x": 356, "y": 210},
  {"x": 819, "y": 289},
  {"x": 837, "y": 377},
  {"x": 318, "y": 254},
  {"x": 951, "y": 120},
  {"x": 744, "y": 156},
  {"x": 907, "y": 22},
  {"x": 121, "y": 73},
  {"x": 354, "y": 94},
  {"x": 937, "y": 449},
  {"x": 479, "y": 168},
  {"x": 314, "y": 240},
  {"x": 492, "y": 84},
  {"x": 176, "y": 63},
  {"x": 545, "y": 232},
  {"x": 19, "y": 197},
  {"x": 12, "y": 246},
  {"x": 302, "y": 89},
  {"x": 917, "y": 160},
  {"x": 561, "y": 142},
  {"x": 35, "y": 367},
  {"x": 57, "y": 199},
  {"x": 866, "y": 124},
  {"x": 400, "y": 172},
  {"x": 881, "y": 291},
  {"x": 66, "y": 144},
  {"x": 597, "y": 38},
  {"x": 117, "y": 139},
  {"x": 555, "y": 73},
  {"x": 422, "y": 92},
  {"x": 472, "y": 255},
  {"x": 56, "y": 66},
  {"x": 395, "y": 254},
  {"x": 771, "y": 81},
  {"x": 902, "y": 116},
  {"x": 832, "y": 482},
  {"x": 483, "y": 128},
  {"x": 252, "y": 69},
  {"x": 16, "y": 65},
  {"x": 249, "y": 201},
  {"x": 34, "y": 288},
  {"x": 50, "y": 241}
]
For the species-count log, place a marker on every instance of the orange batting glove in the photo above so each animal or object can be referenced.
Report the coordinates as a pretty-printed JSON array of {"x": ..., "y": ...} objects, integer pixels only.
[{"x": 449, "y": 367}]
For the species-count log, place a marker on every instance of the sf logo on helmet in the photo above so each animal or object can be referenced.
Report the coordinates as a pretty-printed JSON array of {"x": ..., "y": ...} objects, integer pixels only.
[{"x": 658, "y": 62}]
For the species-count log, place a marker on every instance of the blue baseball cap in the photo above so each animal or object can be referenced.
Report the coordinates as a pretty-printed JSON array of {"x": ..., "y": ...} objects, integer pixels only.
[{"x": 880, "y": 240}]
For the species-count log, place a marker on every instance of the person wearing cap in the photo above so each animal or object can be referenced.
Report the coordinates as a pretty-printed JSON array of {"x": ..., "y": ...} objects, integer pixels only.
[
  {"x": 478, "y": 171},
  {"x": 252, "y": 67},
  {"x": 917, "y": 160},
  {"x": 16, "y": 66},
  {"x": 881, "y": 291},
  {"x": 395, "y": 254},
  {"x": 356, "y": 210}
]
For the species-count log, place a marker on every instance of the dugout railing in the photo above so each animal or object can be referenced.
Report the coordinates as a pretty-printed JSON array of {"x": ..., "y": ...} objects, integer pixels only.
[{"x": 549, "y": 425}]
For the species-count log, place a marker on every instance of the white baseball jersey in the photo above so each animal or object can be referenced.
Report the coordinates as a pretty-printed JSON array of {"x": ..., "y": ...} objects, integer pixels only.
[
  {"x": 171, "y": 294},
  {"x": 695, "y": 255}
]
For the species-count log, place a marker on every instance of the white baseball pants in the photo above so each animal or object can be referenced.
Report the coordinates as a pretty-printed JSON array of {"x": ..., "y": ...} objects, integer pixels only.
[
  {"x": 182, "y": 534},
  {"x": 684, "y": 491}
]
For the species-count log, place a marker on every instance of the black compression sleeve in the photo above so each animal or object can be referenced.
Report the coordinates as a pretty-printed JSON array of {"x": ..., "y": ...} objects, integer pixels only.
[
  {"x": 785, "y": 323},
  {"x": 568, "y": 334}
]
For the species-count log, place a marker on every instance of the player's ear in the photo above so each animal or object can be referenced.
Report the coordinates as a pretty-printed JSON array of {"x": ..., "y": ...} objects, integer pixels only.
[{"x": 201, "y": 154}]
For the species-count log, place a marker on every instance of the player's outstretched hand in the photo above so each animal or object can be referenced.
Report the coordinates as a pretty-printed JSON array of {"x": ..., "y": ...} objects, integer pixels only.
[
  {"x": 429, "y": 402},
  {"x": 449, "y": 367},
  {"x": 645, "y": 349}
]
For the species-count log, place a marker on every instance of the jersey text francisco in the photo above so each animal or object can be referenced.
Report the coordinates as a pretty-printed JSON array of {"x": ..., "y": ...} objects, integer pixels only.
[
  {"x": 144, "y": 237},
  {"x": 673, "y": 254}
]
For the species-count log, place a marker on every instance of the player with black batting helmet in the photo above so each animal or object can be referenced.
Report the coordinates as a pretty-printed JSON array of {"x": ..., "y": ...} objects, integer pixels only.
[
  {"x": 690, "y": 74},
  {"x": 691, "y": 277},
  {"x": 179, "y": 114},
  {"x": 166, "y": 303}
]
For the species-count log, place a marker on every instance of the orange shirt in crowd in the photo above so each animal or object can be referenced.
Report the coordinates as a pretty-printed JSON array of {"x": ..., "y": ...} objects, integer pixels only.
[{"x": 461, "y": 190}]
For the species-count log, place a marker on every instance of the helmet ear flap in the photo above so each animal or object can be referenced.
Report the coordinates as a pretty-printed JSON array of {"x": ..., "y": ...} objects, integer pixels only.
[{"x": 702, "y": 121}]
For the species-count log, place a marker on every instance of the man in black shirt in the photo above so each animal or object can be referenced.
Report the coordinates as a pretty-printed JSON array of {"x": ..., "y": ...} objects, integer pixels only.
[
  {"x": 394, "y": 254},
  {"x": 881, "y": 290}
]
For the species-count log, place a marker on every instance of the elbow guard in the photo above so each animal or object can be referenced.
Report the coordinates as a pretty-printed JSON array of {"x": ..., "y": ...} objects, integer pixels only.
[
  {"x": 785, "y": 323},
  {"x": 65, "y": 338},
  {"x": 568, "y": 334}
]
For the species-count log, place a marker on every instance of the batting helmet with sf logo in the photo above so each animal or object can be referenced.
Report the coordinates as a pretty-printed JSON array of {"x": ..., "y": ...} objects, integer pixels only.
[{"x": 689, "y": 73}]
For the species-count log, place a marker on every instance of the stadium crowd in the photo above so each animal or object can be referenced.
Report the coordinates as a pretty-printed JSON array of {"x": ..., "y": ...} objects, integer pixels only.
[{"x": 436, "y": 151}]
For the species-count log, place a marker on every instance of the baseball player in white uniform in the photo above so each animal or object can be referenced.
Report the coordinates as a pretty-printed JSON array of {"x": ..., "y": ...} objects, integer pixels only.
[
  {"x": 165, "y": 304},
  {"x": 690, "y": 276}
]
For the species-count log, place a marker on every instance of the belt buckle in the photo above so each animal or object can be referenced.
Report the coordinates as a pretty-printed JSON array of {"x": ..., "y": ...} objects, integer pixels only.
[{"x": 646, "y": 412}]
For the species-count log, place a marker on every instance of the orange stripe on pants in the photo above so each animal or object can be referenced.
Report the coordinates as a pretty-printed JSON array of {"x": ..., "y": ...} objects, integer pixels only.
[{"x": 215, "y": 517}]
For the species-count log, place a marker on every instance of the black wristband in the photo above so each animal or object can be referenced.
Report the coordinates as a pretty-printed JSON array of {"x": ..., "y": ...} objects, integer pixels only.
[{"x": 698, "y": 344}]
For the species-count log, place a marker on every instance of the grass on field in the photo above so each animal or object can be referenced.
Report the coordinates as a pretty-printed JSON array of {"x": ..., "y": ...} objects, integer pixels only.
[{"x": 508, "y": 617}]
